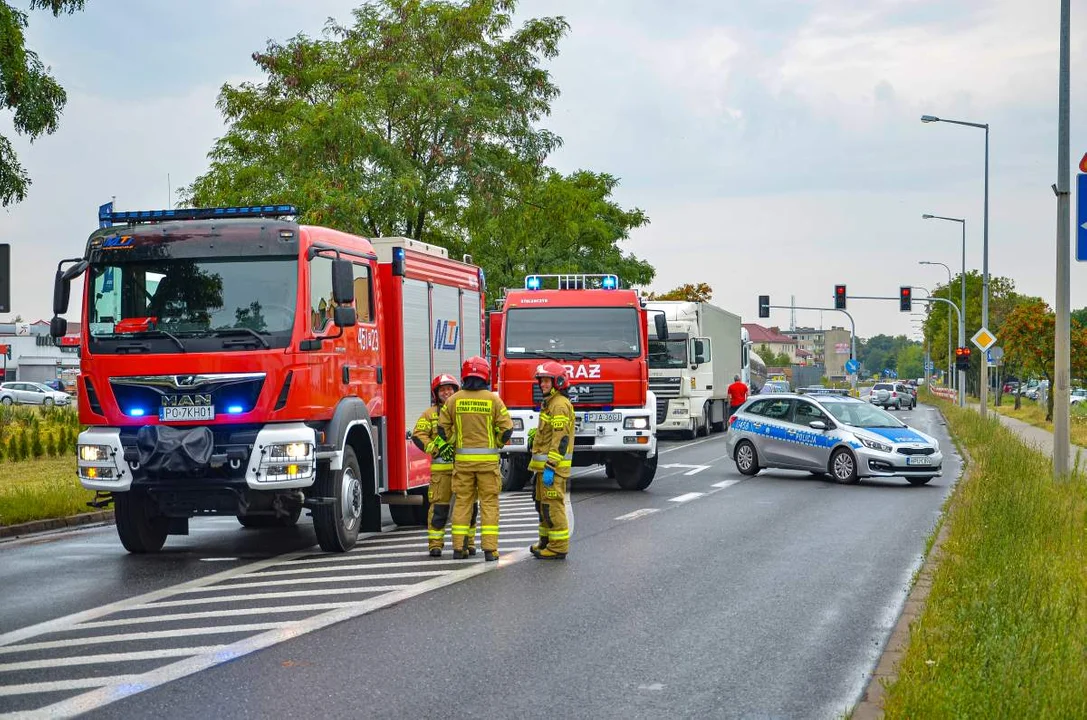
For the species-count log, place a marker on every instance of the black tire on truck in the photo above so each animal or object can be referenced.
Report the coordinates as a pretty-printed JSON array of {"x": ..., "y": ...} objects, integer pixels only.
[
  {"x": 337, "y": 523},
  {"x": 140, "y": 527},
  {"x": 271, "y": 521},
  {"x": 515, "y": 472},
  {"x": 634, "y": 472}
]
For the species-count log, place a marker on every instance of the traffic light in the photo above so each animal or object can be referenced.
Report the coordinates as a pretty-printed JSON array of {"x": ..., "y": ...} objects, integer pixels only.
[
  {"x": 962, "y": 358},
  {"x": 5, "y": 350},
  {"x": 905, "y": 298},
  {"x": 839, "y": 297},
  {"x": 764, "y": 306}
]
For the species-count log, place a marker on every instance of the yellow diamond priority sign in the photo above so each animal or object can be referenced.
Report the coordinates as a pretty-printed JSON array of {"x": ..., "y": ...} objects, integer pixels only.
[{"x": 984, "y": 339}]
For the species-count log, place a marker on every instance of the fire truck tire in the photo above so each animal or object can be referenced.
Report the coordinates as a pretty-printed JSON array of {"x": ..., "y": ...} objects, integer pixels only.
[
  {"x": 140, "y": 528},
  {"x": 634, "y": 472},
  {"x": 271, "y": 521},
  {"x": 337, "y": 523},
  {"x": 515, "y": 473}
]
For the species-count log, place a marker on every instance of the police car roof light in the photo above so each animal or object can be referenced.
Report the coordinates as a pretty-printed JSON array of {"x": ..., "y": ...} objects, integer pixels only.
[{"x": 131, "y": 217}]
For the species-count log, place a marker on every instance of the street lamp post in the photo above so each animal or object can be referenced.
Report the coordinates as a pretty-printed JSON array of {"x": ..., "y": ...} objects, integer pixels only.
[
  {"x": 962, "y": 306},
  {"x": 950, "y": 352},
  {"x": 984, "y": 253}
]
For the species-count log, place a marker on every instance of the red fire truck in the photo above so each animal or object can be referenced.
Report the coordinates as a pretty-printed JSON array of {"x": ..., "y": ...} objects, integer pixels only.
[
  {"x": 238, "y": 363},
  {"x": 599, "y": 332}
]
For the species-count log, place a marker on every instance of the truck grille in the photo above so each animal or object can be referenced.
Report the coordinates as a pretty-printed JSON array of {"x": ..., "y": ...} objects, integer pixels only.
[
  {"x": 662, "y": 410},
  {"x": 584, "y": 394},
  {"x": 226, "y": 390},
  {"x": 666, "y": 387}
]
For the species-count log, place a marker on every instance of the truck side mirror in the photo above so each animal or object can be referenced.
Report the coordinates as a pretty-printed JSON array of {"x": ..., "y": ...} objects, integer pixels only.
[
  {"x": 58, "y": 327},
  {"x": 343, "y": 316},
  {"x": 699, "y": 352},
  {"x": 343, "y": 283},
  {"x": 62, "y": 284},
  {"x": 661, "y": 324}
]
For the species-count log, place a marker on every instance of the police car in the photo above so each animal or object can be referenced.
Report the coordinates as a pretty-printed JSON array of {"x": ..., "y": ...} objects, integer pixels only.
[{"x": 829, "y": 434}]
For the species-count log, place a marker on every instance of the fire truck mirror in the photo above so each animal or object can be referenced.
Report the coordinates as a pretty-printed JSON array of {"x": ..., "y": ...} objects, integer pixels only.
[
  {"x": 58, "y": 327},
  {"x": 62, "y": 285},
  {"x": 343, "y": 316},
  {"x": 343, "y": 283}
]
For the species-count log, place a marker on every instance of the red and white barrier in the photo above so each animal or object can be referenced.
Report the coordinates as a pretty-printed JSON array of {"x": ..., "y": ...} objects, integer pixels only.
[{"x": 945, "y": 393}]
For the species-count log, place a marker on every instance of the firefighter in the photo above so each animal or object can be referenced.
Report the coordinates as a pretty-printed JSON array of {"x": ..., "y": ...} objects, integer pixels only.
[
  {"x": 476, "y": 423},
  {"x": 552, "y": 446},
  {"x": 425, "y": 437}
]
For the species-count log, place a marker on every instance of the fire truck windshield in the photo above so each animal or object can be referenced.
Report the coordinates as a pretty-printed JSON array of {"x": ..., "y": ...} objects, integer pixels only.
[
  {"x": 192, "y": 304},
  {"x": 569, "y": 331},
  {"x": 670, "y": 353}
]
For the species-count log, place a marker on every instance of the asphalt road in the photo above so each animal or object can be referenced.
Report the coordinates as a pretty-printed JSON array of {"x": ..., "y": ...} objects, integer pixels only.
[{"x": 707, "y": 595}]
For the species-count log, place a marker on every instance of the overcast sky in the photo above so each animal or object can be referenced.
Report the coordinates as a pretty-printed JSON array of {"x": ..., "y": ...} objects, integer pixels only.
[{"x": 775, "y": 145}]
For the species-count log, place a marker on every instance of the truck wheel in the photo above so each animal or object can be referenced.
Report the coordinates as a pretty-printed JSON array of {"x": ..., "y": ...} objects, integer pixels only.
[
  {"x": 515, "y": 473},
  {"x": 635, "y": 472},
  {"x": 704, "y": 431},
  {"x": 140, "y": 527},
  {"x": 271, "y": 521},
  {"x": 337, "y": 523}
]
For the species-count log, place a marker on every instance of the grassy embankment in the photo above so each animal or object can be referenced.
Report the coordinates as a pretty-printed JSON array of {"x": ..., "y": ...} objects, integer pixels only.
[
  {"x": 1004, "y": 630},
  {"x": 1033, "y": 413}
]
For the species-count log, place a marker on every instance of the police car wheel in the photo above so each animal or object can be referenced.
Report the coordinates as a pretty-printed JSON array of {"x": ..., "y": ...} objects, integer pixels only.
[
  {"x": 843, "y": 467},
  {"x": 747, "y": 458}
]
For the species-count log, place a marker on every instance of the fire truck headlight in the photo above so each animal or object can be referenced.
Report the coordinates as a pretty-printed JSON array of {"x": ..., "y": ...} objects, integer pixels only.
[
  {"x": 518, "y": 424},
  {"x": 94, "y": 453},
  {"x": 290, "y": 451},
  {"x": 636, "y": 423}
]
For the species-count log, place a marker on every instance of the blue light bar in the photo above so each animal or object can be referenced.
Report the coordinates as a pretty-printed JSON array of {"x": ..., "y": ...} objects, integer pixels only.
[
  {"x": 533, "y": 282},
  {"x": 609, "y": 282},
  {"x": 235, "y": 409},
  {"x": 136, "y": 412},
  {"x": 107, "y": 216}
]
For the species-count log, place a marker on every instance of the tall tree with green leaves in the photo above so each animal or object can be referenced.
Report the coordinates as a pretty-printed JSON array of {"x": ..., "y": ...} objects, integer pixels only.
[
  {"x": 689, "y": 292},
  {"x": 28, "y": 90}
]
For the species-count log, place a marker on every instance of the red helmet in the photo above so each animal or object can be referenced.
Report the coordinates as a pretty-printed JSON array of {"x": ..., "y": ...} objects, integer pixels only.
[
  {"x": 555, "y": 371},
  {"x": 476, "y": 367},
  {"x": 443, "y": 379}
]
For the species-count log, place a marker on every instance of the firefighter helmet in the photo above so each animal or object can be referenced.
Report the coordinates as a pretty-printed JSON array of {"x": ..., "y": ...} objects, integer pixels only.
[
  {"x": 476, "y": 367},
  {"x": 555, "y": 371},
  {"x": 443, "y": 379}
]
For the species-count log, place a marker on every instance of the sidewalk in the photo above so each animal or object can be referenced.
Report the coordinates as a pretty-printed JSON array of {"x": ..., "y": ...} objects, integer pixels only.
[{"x": 1036, "y": 437}]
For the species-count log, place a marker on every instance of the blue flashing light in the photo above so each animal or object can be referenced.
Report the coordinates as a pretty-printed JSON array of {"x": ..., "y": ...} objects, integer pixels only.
[
  {"x": 235, "y": 409},
  {"x": 106, "y": 215},
  {"x": 136, "y": 412},
  {"x": 398, "y": 253},
  {"x": 533, "y": 282},
  {"x": 609, "y": 282}
]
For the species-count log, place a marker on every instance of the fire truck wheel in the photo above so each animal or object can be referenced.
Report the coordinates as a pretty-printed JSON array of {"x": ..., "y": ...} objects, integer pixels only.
[
  {"x": 337, "y": 523},
  {"x": 139, "y": 526},
  {"x": 515, "y": 473},
  {"x": 634, "y": 472},
  {"x": 271, "y": 521}
]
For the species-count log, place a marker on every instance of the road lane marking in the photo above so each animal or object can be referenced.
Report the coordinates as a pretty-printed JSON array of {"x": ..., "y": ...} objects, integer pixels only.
[
  {"x": 62, "y": 685},
  {"x": 106, "y": 658},
  {"x": 726, "y": 483},
  {"x": 311, "y": 607},
  {"x": 211, "y": 599},
  {"x": 686, "y": 497},
  {"x": 638, "y": 513},
  {"x": 135, "y": 637}
]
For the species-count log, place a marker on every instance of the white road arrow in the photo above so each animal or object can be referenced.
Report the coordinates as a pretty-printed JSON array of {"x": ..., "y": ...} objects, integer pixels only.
[{"x": 694, "y": 469}]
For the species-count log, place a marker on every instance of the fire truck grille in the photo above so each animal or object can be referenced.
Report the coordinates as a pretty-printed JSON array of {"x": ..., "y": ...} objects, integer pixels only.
[
  {"x": 230, "y": 393},
  {"x": 584, "y": 394}
]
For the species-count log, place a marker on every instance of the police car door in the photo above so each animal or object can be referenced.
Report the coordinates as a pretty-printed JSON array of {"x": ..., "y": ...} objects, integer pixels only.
[
  {"x": 805, "y": 447},
  {"x": 775, "y": 418}
]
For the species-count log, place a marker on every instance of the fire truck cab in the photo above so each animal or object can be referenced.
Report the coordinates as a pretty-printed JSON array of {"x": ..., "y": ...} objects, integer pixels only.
[{"x": 238, "y": 363}]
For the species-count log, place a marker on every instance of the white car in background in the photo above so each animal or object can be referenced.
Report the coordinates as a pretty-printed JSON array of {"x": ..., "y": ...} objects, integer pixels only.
[{"x": 32, "y": 393}]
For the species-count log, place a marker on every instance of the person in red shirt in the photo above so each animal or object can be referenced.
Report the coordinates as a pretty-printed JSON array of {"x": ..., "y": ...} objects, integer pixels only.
[{"x": 737, "y": 395}]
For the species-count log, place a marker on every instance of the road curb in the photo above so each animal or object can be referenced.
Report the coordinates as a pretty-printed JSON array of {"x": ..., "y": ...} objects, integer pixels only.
[
  {"x": 72, "y": 521},
  {"x": 870, "y": 706}
]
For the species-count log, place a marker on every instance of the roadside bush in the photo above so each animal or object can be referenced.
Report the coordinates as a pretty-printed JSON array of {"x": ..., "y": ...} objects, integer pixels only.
[{"x": 37, "y": 447}]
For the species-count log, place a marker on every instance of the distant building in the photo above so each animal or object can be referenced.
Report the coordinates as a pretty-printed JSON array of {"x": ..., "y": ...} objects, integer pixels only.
[
  {"x": 837, "y": 345},
  {"x": 34, "y": 355},
  {"x": 810, "y": 341},
  {"x": 774, "y": 339}
]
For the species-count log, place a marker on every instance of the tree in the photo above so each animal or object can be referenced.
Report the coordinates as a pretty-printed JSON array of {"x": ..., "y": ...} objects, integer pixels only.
[
  {"x": 701, "y": 292},
  {"x": 774, "y": 359},
  {"x": 910, "y": 361},
  {"x": 1027, "y": 334},
  {"x": 27, "y": 89}
]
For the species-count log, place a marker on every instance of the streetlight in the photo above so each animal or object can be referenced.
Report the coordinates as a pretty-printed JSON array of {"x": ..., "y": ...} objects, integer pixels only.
[
  {"x": 950, "y": 353},
  {"x": 961, "y": 377},
  {"x": 984, "y": 253}
]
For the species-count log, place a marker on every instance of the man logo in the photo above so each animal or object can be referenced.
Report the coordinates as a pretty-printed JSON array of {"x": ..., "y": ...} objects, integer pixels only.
[{"x": 446, "y": 335}]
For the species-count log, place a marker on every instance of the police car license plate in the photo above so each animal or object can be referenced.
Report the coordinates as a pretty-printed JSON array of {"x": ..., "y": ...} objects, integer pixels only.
[
  {"x": 186, "y": 413},
  {"x": 918, "y": 460}
]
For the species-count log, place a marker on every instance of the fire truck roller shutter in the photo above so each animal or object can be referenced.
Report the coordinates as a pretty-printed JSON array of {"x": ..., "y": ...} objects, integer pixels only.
[
  {"x": 447, "y": 330},
  {"x": 470, "y": 312},
  {"x": 418, "y": 337}
]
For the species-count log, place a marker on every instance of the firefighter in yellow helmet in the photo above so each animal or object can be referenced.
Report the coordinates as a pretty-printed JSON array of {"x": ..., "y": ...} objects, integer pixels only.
[
  {"x": 552, "y": 457},
  {"x": 425, "y": 437},
  {"x": 476, "y": 423}
]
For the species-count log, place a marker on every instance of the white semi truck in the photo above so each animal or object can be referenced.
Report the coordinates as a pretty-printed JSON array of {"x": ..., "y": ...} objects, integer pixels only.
[{"x": 690, "y": 371}]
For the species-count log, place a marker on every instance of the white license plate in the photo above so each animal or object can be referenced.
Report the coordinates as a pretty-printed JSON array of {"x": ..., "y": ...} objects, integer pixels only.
[
  {"x": 599, "y": 417},
  {"x": 189, "y": 412},
  {"x": 918, "y": 460}
]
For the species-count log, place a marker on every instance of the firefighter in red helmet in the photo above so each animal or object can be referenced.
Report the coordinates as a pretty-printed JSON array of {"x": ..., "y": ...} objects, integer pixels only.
[
  {"x": 552, "y": 447},
  {"x": 476, "y": 423},
  {"x": 425, "y": 437}
]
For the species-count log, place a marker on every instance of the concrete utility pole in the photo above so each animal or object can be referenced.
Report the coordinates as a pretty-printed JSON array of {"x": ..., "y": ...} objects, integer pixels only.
[{"x": 1061, "y": 341}]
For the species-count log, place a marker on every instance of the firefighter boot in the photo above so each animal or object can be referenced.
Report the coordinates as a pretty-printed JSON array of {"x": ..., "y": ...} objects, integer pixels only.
[
  {"x": 490, "y": 555},
  {"x": 544, "y": 531},
  {"x": 547, "y": 554}
]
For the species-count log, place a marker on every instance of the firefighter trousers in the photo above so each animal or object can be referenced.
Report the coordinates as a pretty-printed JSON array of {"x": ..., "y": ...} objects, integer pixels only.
[
  {"x": 551, "y": 507},
  {"x": 439, "y": 494},
  {"x": 481, "y": 480}
]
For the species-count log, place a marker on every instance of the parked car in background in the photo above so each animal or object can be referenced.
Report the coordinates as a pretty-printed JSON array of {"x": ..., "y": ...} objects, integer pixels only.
[
  {"x": 774, "y": 386},
  {"x": 31, "y": 393},
  {"x": 889, "y": 395},
  {"x": 55, "y": 384}
]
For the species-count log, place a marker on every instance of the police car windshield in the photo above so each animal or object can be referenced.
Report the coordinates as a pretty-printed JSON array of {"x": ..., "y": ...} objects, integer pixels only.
[
  {"x": 162, "y": 300},
  {"x": 583, "y": 331},
  {"x": 862, "y": 415}
]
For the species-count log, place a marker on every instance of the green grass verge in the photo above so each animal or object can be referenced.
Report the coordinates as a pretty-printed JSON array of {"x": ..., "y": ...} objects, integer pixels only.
[
  {"x": 40, "y": 489},
  {"x": 1004, "y": 630}
]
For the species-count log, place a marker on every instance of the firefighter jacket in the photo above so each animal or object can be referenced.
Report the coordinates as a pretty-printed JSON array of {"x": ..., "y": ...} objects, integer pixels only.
[
  {"x": 554, "y": 442},
  {"x": 477, "y": 424},
  {"x": 425, "y": 437}
]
